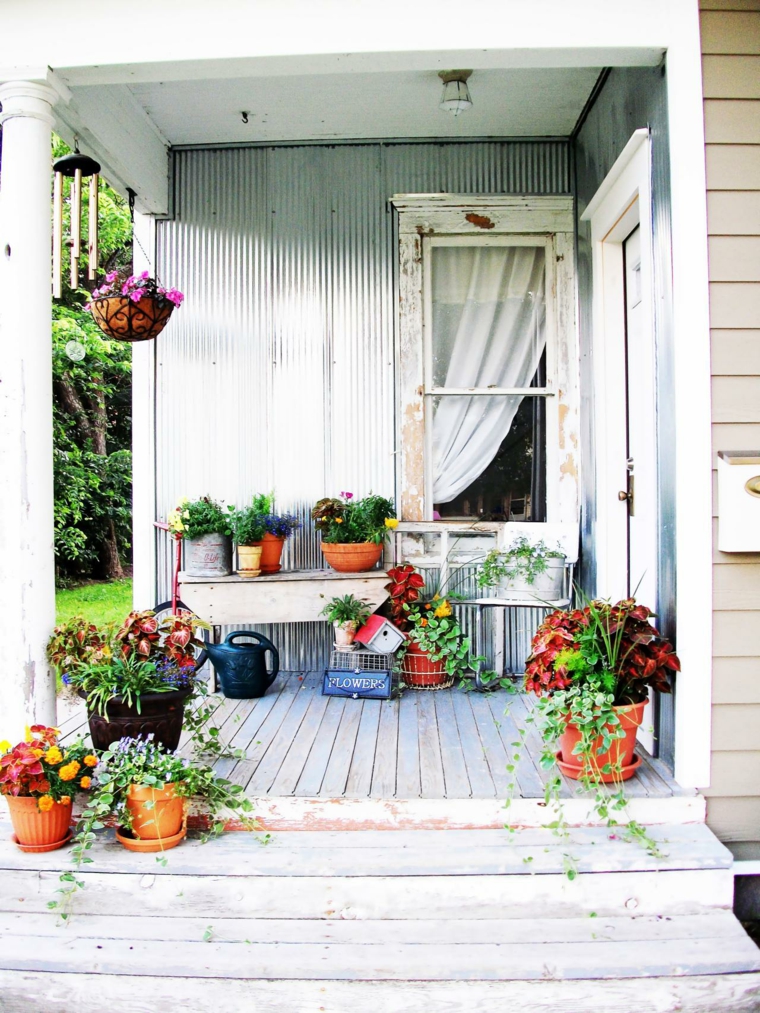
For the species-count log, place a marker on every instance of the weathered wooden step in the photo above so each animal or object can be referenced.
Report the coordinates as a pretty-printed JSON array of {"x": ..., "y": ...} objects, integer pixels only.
[
  {"x": 383, "y": 951},
  {"x": 398, "y": 875}
]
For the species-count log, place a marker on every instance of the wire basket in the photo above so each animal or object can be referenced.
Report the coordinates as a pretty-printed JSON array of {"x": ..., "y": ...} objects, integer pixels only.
[{"x": 361, "y": 661}]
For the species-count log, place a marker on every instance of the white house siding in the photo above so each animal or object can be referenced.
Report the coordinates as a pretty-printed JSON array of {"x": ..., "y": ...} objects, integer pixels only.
[{"x": 731, "y": 68}]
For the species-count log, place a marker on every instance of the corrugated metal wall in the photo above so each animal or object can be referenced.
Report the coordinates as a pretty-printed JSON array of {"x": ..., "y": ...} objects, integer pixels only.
[{"x": 278, "y": 373}]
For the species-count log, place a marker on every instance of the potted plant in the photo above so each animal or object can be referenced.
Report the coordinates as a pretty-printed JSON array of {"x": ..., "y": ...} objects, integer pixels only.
[
  {"x": 353, "y": 530},
  {"x": 207, "y": 532},
  {"x": 436, "y": 650},
  {"x": 248, "y": 531},
  {"x": 134, "y": 307},
  {"x": 525, "y": 570},
  {"x": 147, "y": 788},
  {"x": 137, "y": 681},
  {"x": 278, "y": 527},
  {"x": 592, "y": 669},
  {"x": 38, "y": 778},
  {"x": 347, "y": 614}
]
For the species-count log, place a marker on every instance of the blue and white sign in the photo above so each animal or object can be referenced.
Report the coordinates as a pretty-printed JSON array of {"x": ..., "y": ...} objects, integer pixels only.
[{"x": 358, "y": 685}]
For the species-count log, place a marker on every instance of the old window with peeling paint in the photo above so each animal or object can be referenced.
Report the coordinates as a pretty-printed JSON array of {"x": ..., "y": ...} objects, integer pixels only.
[
  {"x": 487, "y": 359},
  {"x": 486, "y": 356}
]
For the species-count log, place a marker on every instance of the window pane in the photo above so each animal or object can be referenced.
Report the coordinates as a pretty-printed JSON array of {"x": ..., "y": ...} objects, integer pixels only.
[
  {"x": 506, "y": 483},
  {"x": 488, "y": 315}
]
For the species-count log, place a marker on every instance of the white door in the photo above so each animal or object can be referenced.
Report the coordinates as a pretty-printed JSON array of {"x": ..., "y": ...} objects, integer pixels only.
[{"x": 641, "y": 447}]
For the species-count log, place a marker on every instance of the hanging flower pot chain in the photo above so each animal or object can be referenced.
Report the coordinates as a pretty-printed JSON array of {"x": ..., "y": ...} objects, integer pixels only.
[{"x": 133, "y": 309}]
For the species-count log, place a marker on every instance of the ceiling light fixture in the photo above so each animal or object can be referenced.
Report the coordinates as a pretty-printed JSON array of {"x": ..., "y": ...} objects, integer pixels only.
[{"x": 456, "y": 94}]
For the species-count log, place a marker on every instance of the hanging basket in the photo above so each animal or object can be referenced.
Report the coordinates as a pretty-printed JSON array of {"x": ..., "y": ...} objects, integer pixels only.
[{"x": 121, "y": 318}]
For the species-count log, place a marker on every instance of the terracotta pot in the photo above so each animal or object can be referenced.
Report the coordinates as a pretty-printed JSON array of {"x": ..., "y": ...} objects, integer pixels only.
[
  {"x": 164, "y": 817},
  {"x": 421, "y": 672},
  {"x": 620, "y": 752},
  {"x": 249, "y": 560},
  {"x": 120, "y": 318},
  {"x": 345, "y": 633},
  {"x": 352, "y": 557},
  {"x": 48, "y": 830},
  {"x": 160, "y": 713},
  {"x": 271, "y": 552}
]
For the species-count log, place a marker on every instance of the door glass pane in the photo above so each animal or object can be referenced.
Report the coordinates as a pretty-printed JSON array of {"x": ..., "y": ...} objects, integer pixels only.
[
  {"x": 488, "y": 458},
  {"x": 488, "y": 315}
]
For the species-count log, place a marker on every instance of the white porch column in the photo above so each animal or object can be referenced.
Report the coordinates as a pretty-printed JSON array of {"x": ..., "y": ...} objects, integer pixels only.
[{"x": 27, "y": 577}]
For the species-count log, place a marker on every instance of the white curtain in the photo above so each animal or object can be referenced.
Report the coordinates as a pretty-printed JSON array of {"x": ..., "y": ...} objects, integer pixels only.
[{"x": 489, "y": 319}]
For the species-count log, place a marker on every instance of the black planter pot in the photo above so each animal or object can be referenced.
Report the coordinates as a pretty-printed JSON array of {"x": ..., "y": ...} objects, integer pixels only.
[{"x": 161, "y": 714}]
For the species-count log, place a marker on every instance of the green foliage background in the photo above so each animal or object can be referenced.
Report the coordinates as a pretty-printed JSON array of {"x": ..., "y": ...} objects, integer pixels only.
[{"x": 92, "y": 411}]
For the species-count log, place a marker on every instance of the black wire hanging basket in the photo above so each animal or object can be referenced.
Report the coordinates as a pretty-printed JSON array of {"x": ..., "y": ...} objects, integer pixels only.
[{"x": 124, "y": 319}]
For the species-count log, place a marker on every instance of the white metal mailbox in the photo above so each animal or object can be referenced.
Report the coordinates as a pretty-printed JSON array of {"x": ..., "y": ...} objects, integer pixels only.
[{"x": 739, "y": 500}]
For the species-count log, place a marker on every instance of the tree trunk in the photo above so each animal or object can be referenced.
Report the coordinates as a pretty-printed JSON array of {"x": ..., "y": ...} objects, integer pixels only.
[{"x": 110, "y": 561}]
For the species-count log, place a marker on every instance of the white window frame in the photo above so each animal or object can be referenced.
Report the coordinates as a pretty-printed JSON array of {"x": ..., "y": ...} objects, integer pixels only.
[{"x": 426, "y": 220}]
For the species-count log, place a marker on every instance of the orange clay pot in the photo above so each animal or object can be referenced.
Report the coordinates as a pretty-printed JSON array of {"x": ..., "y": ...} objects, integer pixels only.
[
  {"x": 271, "y": 551},
  {"x": 620, "y": 752},
  {"x": 163, "y": 820},
  {"x": 49, "y": 830},
  {"x": 352, "y": 557}
]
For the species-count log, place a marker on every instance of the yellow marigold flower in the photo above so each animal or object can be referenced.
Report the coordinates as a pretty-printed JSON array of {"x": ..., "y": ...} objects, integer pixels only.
[
  {"x": 444, "y": 609},
  {"x": 436, "y": 596},
  {"x": 28, "y": 734},
  {"x": 70, "y": 771},
  {"x": 90, "y": 760},
  {"x": 391, "y": 522},
  {"x": 45, "y": 803},
  {"x": 53, "y": 755},
  {"x": 38, "y": 752},
  {"x": 5, "y": 746},
  {"x": 64, "y": 800},
  {"x": 338, "y": 520},
  {"x": 85, "y": 782}
]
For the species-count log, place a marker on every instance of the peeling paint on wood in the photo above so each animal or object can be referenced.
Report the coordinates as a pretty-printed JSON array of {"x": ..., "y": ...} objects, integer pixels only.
[{"x": 480, "y": 221}]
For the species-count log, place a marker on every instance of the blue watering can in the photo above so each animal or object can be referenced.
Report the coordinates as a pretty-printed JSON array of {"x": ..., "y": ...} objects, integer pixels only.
[{"x": 242, "y": 668}]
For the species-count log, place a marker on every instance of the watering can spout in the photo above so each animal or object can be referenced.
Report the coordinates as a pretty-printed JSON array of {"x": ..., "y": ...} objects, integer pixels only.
[{"x": 242, "y": 668}]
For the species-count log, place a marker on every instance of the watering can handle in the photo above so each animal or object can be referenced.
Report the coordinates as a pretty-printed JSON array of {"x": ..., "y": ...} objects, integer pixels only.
[{"x": 266, "y": 643}]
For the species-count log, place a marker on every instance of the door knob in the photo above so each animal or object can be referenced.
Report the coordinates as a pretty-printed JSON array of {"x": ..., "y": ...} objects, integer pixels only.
[{"x": 623, "y": 496}]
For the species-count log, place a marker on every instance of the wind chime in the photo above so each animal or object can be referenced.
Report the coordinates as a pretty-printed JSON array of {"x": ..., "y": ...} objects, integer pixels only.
[{"x": 78, "y": 167}]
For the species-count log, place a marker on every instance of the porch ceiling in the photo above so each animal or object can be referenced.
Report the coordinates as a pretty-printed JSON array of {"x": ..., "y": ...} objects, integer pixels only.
[
  {"x": 506, "y": 102},
  {"x": 127, "y": 116}
]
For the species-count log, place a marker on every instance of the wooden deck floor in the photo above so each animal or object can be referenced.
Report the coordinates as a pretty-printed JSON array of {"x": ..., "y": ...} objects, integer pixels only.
[{"x": 450, "y": 744}]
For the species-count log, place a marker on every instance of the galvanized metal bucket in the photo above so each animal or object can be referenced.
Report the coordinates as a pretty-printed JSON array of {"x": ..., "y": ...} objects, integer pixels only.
[{"x": 208, "y": 556}]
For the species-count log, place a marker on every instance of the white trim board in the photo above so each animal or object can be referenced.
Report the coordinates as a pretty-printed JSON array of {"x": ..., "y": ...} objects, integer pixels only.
[{"x": 623, "y": 199}]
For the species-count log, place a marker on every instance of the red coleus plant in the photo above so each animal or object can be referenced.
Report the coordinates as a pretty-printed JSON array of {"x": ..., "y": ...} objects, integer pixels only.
[
  {"x": 617, "y": 643},
  {"x": 180, "y": 640},
  {"x": 139, "y": 634},
  {"x": 404, "y": 588},
  {"x": 40, "y": 768}
]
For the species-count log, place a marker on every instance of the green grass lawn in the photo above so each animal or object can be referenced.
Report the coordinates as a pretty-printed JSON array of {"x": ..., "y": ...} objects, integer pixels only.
[{"x": 106, "y": 602}]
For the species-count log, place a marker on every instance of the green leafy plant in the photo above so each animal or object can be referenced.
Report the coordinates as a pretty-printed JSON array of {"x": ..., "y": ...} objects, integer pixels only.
[
  {"x": 196, "y": 518},
  {"x": 248, "y": 525},
  {"x": 586, "y": 666},
  {"x": 73, "y": 643},
  {"x": 144, "y": 656},
  {"x": 140, "y": 762},
  {"x": 523, "y": 559},
  {"x": 349, "y": 520},
  {"x": 347, "y": 609},
  {"x": 435, "y": 630},
  {"x": 92, "y": 402}
]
